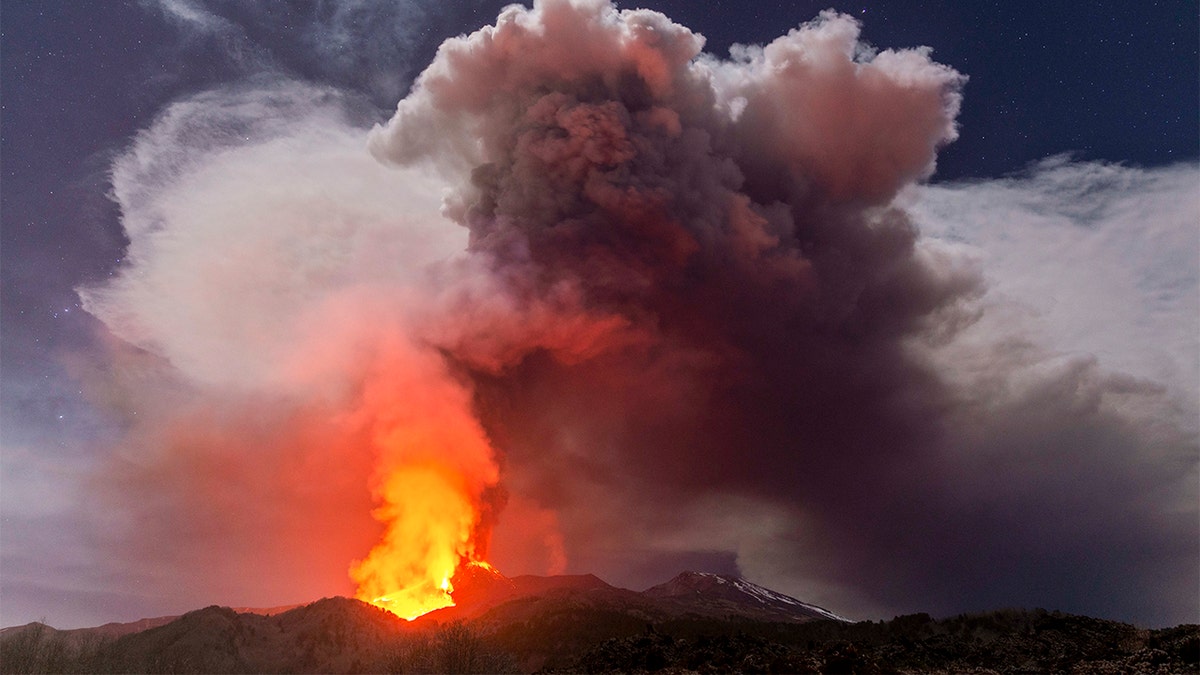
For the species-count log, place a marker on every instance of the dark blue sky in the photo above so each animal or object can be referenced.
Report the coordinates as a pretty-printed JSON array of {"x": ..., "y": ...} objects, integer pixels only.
[{"x": 1110, "y": 80}]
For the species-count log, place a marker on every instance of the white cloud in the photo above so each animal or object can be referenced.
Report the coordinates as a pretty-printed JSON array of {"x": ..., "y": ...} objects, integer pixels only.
[
  {"x": 245, "y": 209},
  {"x": 1091, "y": 258}
]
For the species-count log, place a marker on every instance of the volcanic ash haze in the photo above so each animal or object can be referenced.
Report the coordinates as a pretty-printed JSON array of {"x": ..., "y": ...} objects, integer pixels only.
[{"x": 596, "y": 300}]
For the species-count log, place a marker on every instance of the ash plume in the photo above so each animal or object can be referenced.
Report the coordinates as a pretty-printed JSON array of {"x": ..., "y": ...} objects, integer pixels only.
[{"x": 662, "y": 304}]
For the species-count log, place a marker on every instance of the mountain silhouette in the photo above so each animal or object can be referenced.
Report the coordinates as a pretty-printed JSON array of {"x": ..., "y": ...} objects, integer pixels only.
[
  {"x": 695, "y": 622},
  {"x": 723, "y": 596}
]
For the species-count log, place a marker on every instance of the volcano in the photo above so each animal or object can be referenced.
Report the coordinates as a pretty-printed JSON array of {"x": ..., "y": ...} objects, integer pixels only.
[
  {"x": 537, "y": 620},
  {"x": 484, "y": 594},
  {"x": 695, "y": 622}
]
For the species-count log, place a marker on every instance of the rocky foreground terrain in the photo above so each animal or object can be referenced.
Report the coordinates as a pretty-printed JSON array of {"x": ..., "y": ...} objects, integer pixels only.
[{"x": 694, "y": 623}]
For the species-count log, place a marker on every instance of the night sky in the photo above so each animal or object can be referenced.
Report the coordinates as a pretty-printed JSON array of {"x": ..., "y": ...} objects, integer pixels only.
[{"x": 1073, "y": 182}]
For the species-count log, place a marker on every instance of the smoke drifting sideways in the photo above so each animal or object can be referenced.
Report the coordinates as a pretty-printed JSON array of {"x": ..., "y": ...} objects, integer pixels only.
[{"x": 631, "y": 305}]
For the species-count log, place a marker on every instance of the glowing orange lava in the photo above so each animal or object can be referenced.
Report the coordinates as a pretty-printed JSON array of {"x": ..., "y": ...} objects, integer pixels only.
[
  {"x": 433, "y": 473},
  {"x": 431, "y": 520}
]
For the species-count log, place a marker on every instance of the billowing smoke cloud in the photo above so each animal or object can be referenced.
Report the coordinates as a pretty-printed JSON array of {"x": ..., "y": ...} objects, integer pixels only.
[{"x": 667, "y": 311}]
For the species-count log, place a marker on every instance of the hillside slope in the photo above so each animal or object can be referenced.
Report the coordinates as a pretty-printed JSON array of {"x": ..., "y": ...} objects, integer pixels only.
[{"x": 693, "y": 623}]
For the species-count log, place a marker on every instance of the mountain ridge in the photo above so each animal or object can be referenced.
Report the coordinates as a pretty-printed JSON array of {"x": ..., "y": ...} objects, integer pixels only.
[
  {"x": 695, "y": 622},
  {"x": 476, "y": 592}
]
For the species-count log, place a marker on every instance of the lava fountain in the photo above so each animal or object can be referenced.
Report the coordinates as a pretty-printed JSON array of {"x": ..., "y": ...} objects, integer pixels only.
[
  {"x": 430, "y": 520},
  {"x": 435, "y": 470}
]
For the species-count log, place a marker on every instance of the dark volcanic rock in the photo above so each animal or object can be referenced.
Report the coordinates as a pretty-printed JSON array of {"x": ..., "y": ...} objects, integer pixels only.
[
  {"x": 694, "y": 623},
  {"x": 477, "y": 585},
  {"x": 997, "y": 642}
]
